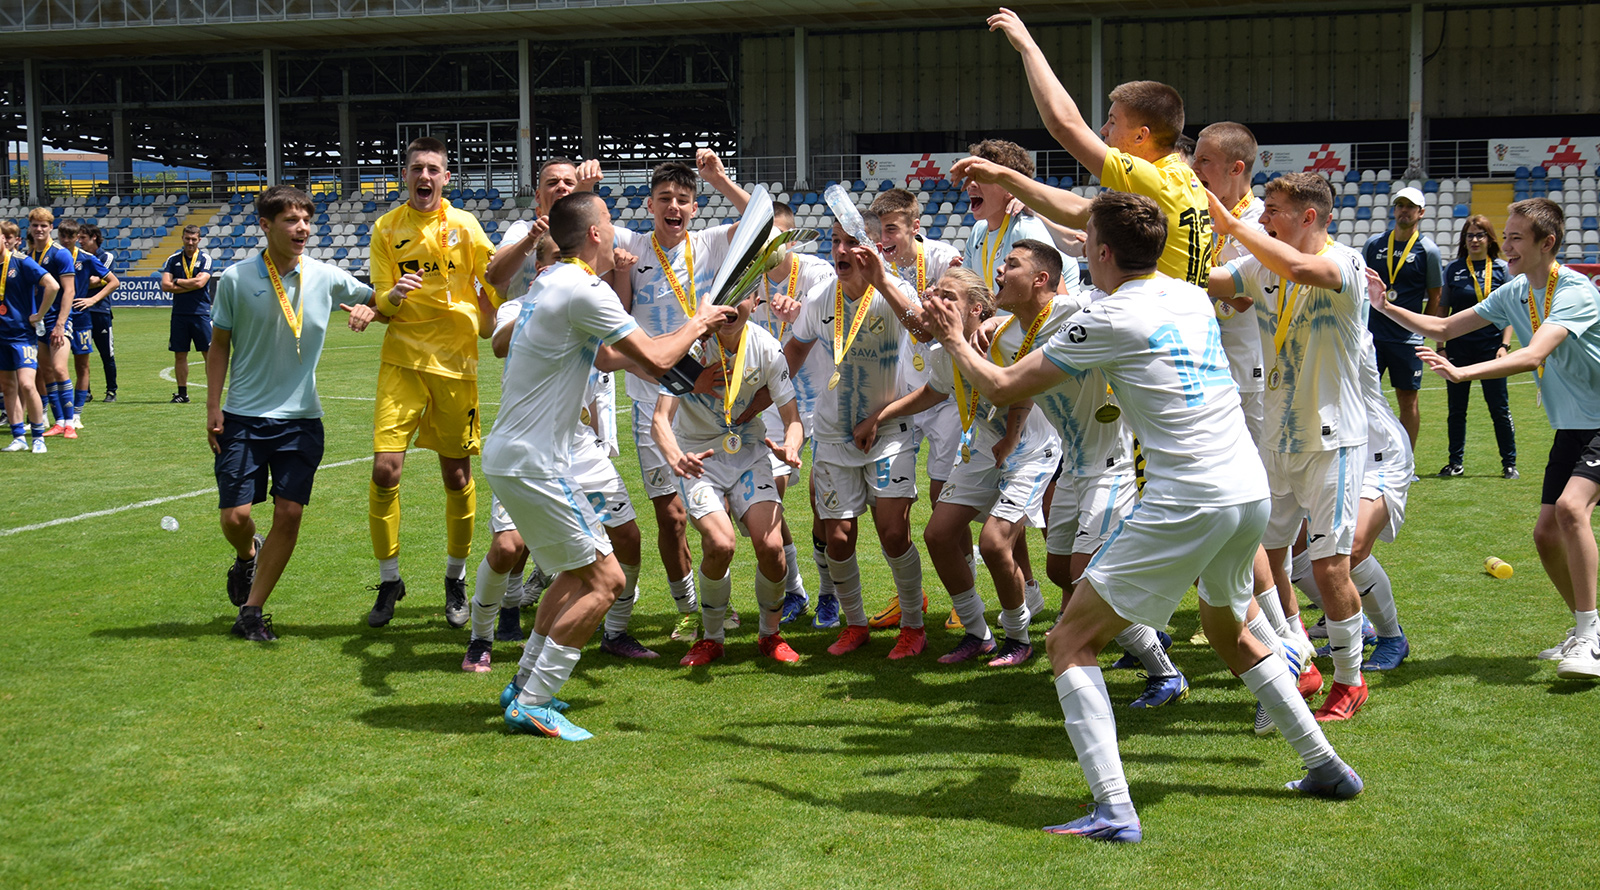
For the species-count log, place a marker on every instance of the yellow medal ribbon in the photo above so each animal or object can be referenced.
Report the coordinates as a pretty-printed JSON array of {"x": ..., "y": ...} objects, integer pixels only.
[
  {"x": 1488, "y": 272},
  {"x": 967, "y": 407},
  {"x": 1394, "y": 267},
  {"x": 574, "y": 261},
  {"x": 1288, "y": 301},
  {"x": 991, "y": 252},
  {"x": 1533, "y": 309},
  {"x": 5, "y": 272},
  {"x": 789, "y": 290},
  {"x": 732, "y": 385},
  {"x": 922, "y": 267},
  {"x": 188, "y": 264},
  {"x": 1220, "y": 241},
  {"x": 1027, "y": 339},
  {"x": 689, "y": 301},
  {"x": 295, "y": 321},
  {"x": 444, "y": 248},
  {"x": 840, "y": 344}
]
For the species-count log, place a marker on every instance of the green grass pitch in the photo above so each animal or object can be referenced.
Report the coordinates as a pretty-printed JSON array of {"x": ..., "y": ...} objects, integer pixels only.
[{"x": 145, "y": 747}]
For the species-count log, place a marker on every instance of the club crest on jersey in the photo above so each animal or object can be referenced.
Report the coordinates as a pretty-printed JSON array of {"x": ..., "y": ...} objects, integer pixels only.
[
  {"x": 1076, "y": 333},
  {"x": 751, "y": 375},
  {"x": 875, "y": 325},
  {"x": 657, "y": 477},
  {"x": 455, "y": 237}
]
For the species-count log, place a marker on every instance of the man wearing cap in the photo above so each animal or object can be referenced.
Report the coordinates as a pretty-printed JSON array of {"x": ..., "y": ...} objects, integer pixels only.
[{"x": 1408, "y": 262}]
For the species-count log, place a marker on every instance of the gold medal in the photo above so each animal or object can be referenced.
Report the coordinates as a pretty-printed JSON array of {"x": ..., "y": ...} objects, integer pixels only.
[
  {"x": 1390, "y": 294},
  {"x": 1274, "y": 379},
  {"x": 1107, "y": 413},
  {"x": 731, "y": 443},
  {"x": 583, "y": 415},
  {"x": 918, "y": 363},
  {"x": 966, "y": 452},
  {"x": 834, "y": 380}
]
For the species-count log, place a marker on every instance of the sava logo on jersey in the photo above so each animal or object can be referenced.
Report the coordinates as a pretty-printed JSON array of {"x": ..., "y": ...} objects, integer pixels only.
[{"x": 421, "y": 267}]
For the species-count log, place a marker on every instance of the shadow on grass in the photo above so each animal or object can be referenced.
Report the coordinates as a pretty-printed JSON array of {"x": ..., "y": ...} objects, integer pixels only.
[
  {"x": 1496, "y": 670},
  {"x": 448, "y": 718}
]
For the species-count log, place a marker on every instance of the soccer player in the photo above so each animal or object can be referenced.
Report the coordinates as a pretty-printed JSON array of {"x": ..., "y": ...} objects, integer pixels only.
[
  {"x": 187, "y": 276},
  {"x": 1135, "y": 151},
  {"x": 570, "y": 312},
  {"x": 428, "y": 260},
  {"x": 1307, "y": 293},
  {"x": 1469, "y": 279},
  {"x": 1556, "y": 314},
  {"x": 856, "y": 314},
  {"x": 56, "y": 330},
  {"x": 269, "y": 323},
  {"x": 726, "y": 477},
  {"x": 997, "y": 231},
  {"x": 93, "y": 284},
  {"x": 675, "y": 267},
  {"x": 1202, "y": 513},
  {"x": 1408, "y": 262},
  {"x": 22, "y": 284},
  {"x": 514, "y": 264},
  {"x": 89, "y": 238}
]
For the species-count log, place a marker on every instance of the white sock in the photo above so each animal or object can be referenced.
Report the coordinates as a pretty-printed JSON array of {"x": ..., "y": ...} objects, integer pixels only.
[
  {"x": 847, "y": 586},
  {"x": 1272, "y": 607},
  {"x": 769, "y": 600},
  {"x": 1271, "y": 682},
  {"x": 1033, "y": 598},
  {"x": 819, "y": 554},
  {"x": 1377, "y": 596},
  {"x": 1588, "y": 625},
  {"x": 1296, "y": 626},
  {"x": 389, "y": 569},
  {"x": 1015, "y": 623},
  {"x": 1301, "y": 575},
  {"x": 455, "y": 567},
  {"x": 792, "y": 582},
  {"x": 683, "y": 594},
  {"x": 1143, "y": 643},
  {"x": 621, "y": 611},
  {"x": 1086, "y": 707},
  {"x": 486, "y": 600},
  {"x": 530, "y": 655},
  {"x": 1345, "y": 639},
  {"x": 907, "y": 571},
  {"x": 969, "y": 608},
  {"x": 513, "y": 595},
  {"x": 1264, "y": 632},
  {"x": 549, "y": 673},
  {"x": 715, "y": 593}
]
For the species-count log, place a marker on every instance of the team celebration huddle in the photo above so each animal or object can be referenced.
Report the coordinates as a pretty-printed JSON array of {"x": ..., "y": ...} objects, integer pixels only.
[{"x": 1201, "y": 408}]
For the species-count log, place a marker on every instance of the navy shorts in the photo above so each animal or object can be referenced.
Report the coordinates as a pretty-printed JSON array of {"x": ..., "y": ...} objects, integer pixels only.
[
  {"x": 189, "y": 329},
  {"x": 15, "y": 355},
  {"x": 251, "y": 447},
  {"x": 1572, "y": 453},
  {"x": 1400, "y": 360}
]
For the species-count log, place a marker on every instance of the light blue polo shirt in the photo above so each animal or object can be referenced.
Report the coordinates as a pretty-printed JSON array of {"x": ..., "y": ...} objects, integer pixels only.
[
  {"x": 267, "y": 377},
  {"x": 1570, "y": 384}
]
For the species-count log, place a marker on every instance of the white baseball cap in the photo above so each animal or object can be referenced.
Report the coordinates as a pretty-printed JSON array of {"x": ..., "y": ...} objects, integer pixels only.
[{"x": 1411, "y": 194}]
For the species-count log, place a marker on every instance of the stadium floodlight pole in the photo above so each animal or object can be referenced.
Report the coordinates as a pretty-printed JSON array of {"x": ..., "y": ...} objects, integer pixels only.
[
  {"x": 525, "y": 183},
  {"x": 36, "y": 167},
  {"x": 1414, "y": 169},
  {"x": 269, "y": 105},
  {"x": 801, "y": 173},
  {"x": 1097, "y": 72}
]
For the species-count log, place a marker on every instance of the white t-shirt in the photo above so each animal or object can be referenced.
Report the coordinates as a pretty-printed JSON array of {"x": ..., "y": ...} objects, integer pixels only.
[
  {"x": 655, "y": 304},
  {"x": 1157, "y": 342},
  {"x": 812, "y": 374},
  {"x": 1313, "y": 400},
  {"x": 566, "y": 314},
  {"x": 988, "y": 420},
  {"x": 1241, "y": 337},
  {"x": 700, "y": 423},
  {"x": 868, "y": 376},
  {"x": 937, "y": 257},
  {"x": 1088, "y": 447},
  {"x": 521, "y": 279},
  {"x": 1023, "y": 225},
  {"x": 1384, "y": 432}
]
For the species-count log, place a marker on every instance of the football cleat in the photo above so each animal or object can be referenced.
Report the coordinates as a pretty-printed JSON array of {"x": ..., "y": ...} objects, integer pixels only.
[
  {"x": 1450, "y": 471},
  {"x": 456, "y": 612},
  {"x": 17, "y": 444},
  {"x": 1334, "y": 780},
  {"x": 731, "y": 621},
  {"x": 687, "y": 628},
  {"x": 477, "y": 660},
  {"x": 890, "y": 615},
  {"x": 1388, "y": 653},
  {"x": 1342, "y": 703},
  {"x": 256, "y": 627},
  {"x": 1160, "y": 691},
  {"x": 1310, "y": 682},
  {"x": 1264, "y": 724},
  {"x": 39, "y": 446},
  {"x": 827, "y": 611},
  {"x": 1101, "y": 829},
  {"x": 55, "y": 429},
  {"x": 623, "y": 645},
  {"x": 971, "y": 646},
  {"x": 389, "y": 593},
  {"x": 853, "y": 637},
  {"x": 68, "y": 432},
  {"x": 1129, "y": 661},
  {"x": 544, "y": 720},
  {"x": 703, "y": 652},
  {"x": 912, "y": 641},
  {"x": 774, "y": 647},
  {"x": 1012, "y": 653},
  {"x": 953, "y": 622},
  {"x": 794, "y": 606},
  {"x": 512, "y": 690}
]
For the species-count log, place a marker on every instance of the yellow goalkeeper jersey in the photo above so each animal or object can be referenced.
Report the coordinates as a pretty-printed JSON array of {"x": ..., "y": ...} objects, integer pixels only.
[
  {"x": 1177, "y": 191},
  {"x": 436, "y": 328}
]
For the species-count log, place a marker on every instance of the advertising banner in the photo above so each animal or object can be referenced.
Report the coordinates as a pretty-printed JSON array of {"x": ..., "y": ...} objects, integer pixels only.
[
  {"x": 1577, "y": 154},
  {"x": 903, "y": 168},
  {"x": 1324, "y": 158}
]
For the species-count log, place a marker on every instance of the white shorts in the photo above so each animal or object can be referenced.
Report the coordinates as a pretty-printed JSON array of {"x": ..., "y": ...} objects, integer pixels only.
[
  {"x": 847, "y": 481},
  {"x": 1012, "y": 493},
  {"x": 560, "y": 528},
  {"x": 1388, "y": 475},
  {"x": 659, "y": 480},
  {"x": 941, "y": 426},
  {"x": 774, "y": 425},
  {"x": 1321, "y": 487},
  {"x": 605, "y": 403},
  {"x": 1086, "y": 510},
  {"x": 602, "y": 484},
  {"x": 1154, "y": 555},
  {"x": 731, "y": 482},
  {"x": 1255, "y": 413}
]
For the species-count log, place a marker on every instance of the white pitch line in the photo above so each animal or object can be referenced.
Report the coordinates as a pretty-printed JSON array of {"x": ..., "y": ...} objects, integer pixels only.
[{"x": 155, "y": 501}]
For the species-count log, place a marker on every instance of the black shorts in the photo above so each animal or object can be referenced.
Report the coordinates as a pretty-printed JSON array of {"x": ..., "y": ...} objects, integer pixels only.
[
  {"x": 253, "y": 446},
  {"x": 1400, "y": 360},
  {"x": 189, "y": 329},
  {"x": 1572, "y": 453}
]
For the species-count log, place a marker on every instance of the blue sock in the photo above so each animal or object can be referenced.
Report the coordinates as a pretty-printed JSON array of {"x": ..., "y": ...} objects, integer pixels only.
[
  {"x": 65, "y": 388},
  {"x": 52, "y": 395},
  {"x": 38, "y": 431},
  {"x": 18, "y": 429},
  {"x": 79, "y": 397}
]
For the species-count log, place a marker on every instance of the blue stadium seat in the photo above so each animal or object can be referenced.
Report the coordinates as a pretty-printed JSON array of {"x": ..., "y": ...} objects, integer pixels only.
[
  {"x": 1333, "y": 227},
  {"x": 1462, "y": 211},
  {"x": 1553, "y": 185},
  {"x": 603, "y": 191},
  {"x": 363, "y": 240},
  {"x": 362, "y": 228},
  {"x": 1430, "y": 187},
  {"x": 1521, "y": 192},
  {"x": 1591, "y": 223},
  {"x": 1352, "y": 176},
  {"x": 493, "y": 195},
  {"x": 886, "y": 185},
  {"x": 1363, "y": 213},
  {"x": 490, "y": 225},
  {"x": 341, "y": 253},
  {"x": 702, "y": 200},
  {"x": 1260, "y": 178},
  {"x": 494, "y": 237},
  {"x": 969, "y": 220},
  {"x": 1538, "y": 172},
  {"x": 1522, "y": 173},
  {"x": 858, "y": 186}
]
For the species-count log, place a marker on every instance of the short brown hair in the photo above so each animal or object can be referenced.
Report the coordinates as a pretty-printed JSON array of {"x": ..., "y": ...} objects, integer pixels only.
[
  {"x": 67, "y": 231},
  {"x": 195, "y": 230},
  {"x": 897, "y": 201},
  {"x": 92, "y": 232},
  {"x": 41, "y": 214},
  {"x": 553, "y": 162},
  {"x": 1545, "y": 217},
  {"x": 782, "y": 214},
  {"x": 1235, "y": 141},
  {"x": 675, "y": 173},
  {"x": 429, "y": 145},
  {"x": 9, "y": 229},
  {"x": 1006, "y": 154},
  {"x": 1305, "y": 190},
  {"x": 1482, "y": 222},
  {"x": 1154, "y": 105},
  {"x": 1132, "y": 225},
  {"x": 973, "y": 287},
  {"x": 1043, "y": 256},
  {"x": 276, "y": 200},
  {"x": 572, "y": 216}
]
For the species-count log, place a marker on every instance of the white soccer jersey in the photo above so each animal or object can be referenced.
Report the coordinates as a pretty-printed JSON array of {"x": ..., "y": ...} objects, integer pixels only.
[
  {"x": 701, "y": 423},
  {"x": 867, "y": 371},
  {"x": 566, "y": 315},
  {"x": 1157, "y": 341},
  {"x": 986, "y": 254},
  {"x": 1313, "y": 396},
  {"x": 1385, "y": 435},
  {"x": 812, "y": 374},
  {"x": 1241, "y": 337},
  {"x": 937, "y": 257},
  {"x": 521, "y": 279},
  {"x": 655, "y": 305},
  {"x": 988, "y": 420}
]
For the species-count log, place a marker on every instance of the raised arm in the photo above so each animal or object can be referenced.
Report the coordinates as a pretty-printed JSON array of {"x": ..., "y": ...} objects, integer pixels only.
[
  {"x": 1002, "y": 386},
  {"x": 657, "y": 355},
  {"x": 1433, "y": 326},
  {"x": 1057, "y": 205},
  {"x": 1315, "y": 270},
  {"x": 1056, "y": 107},
  {"x": 712, "y": 171},
  {"x": 505, "y": 263}
]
